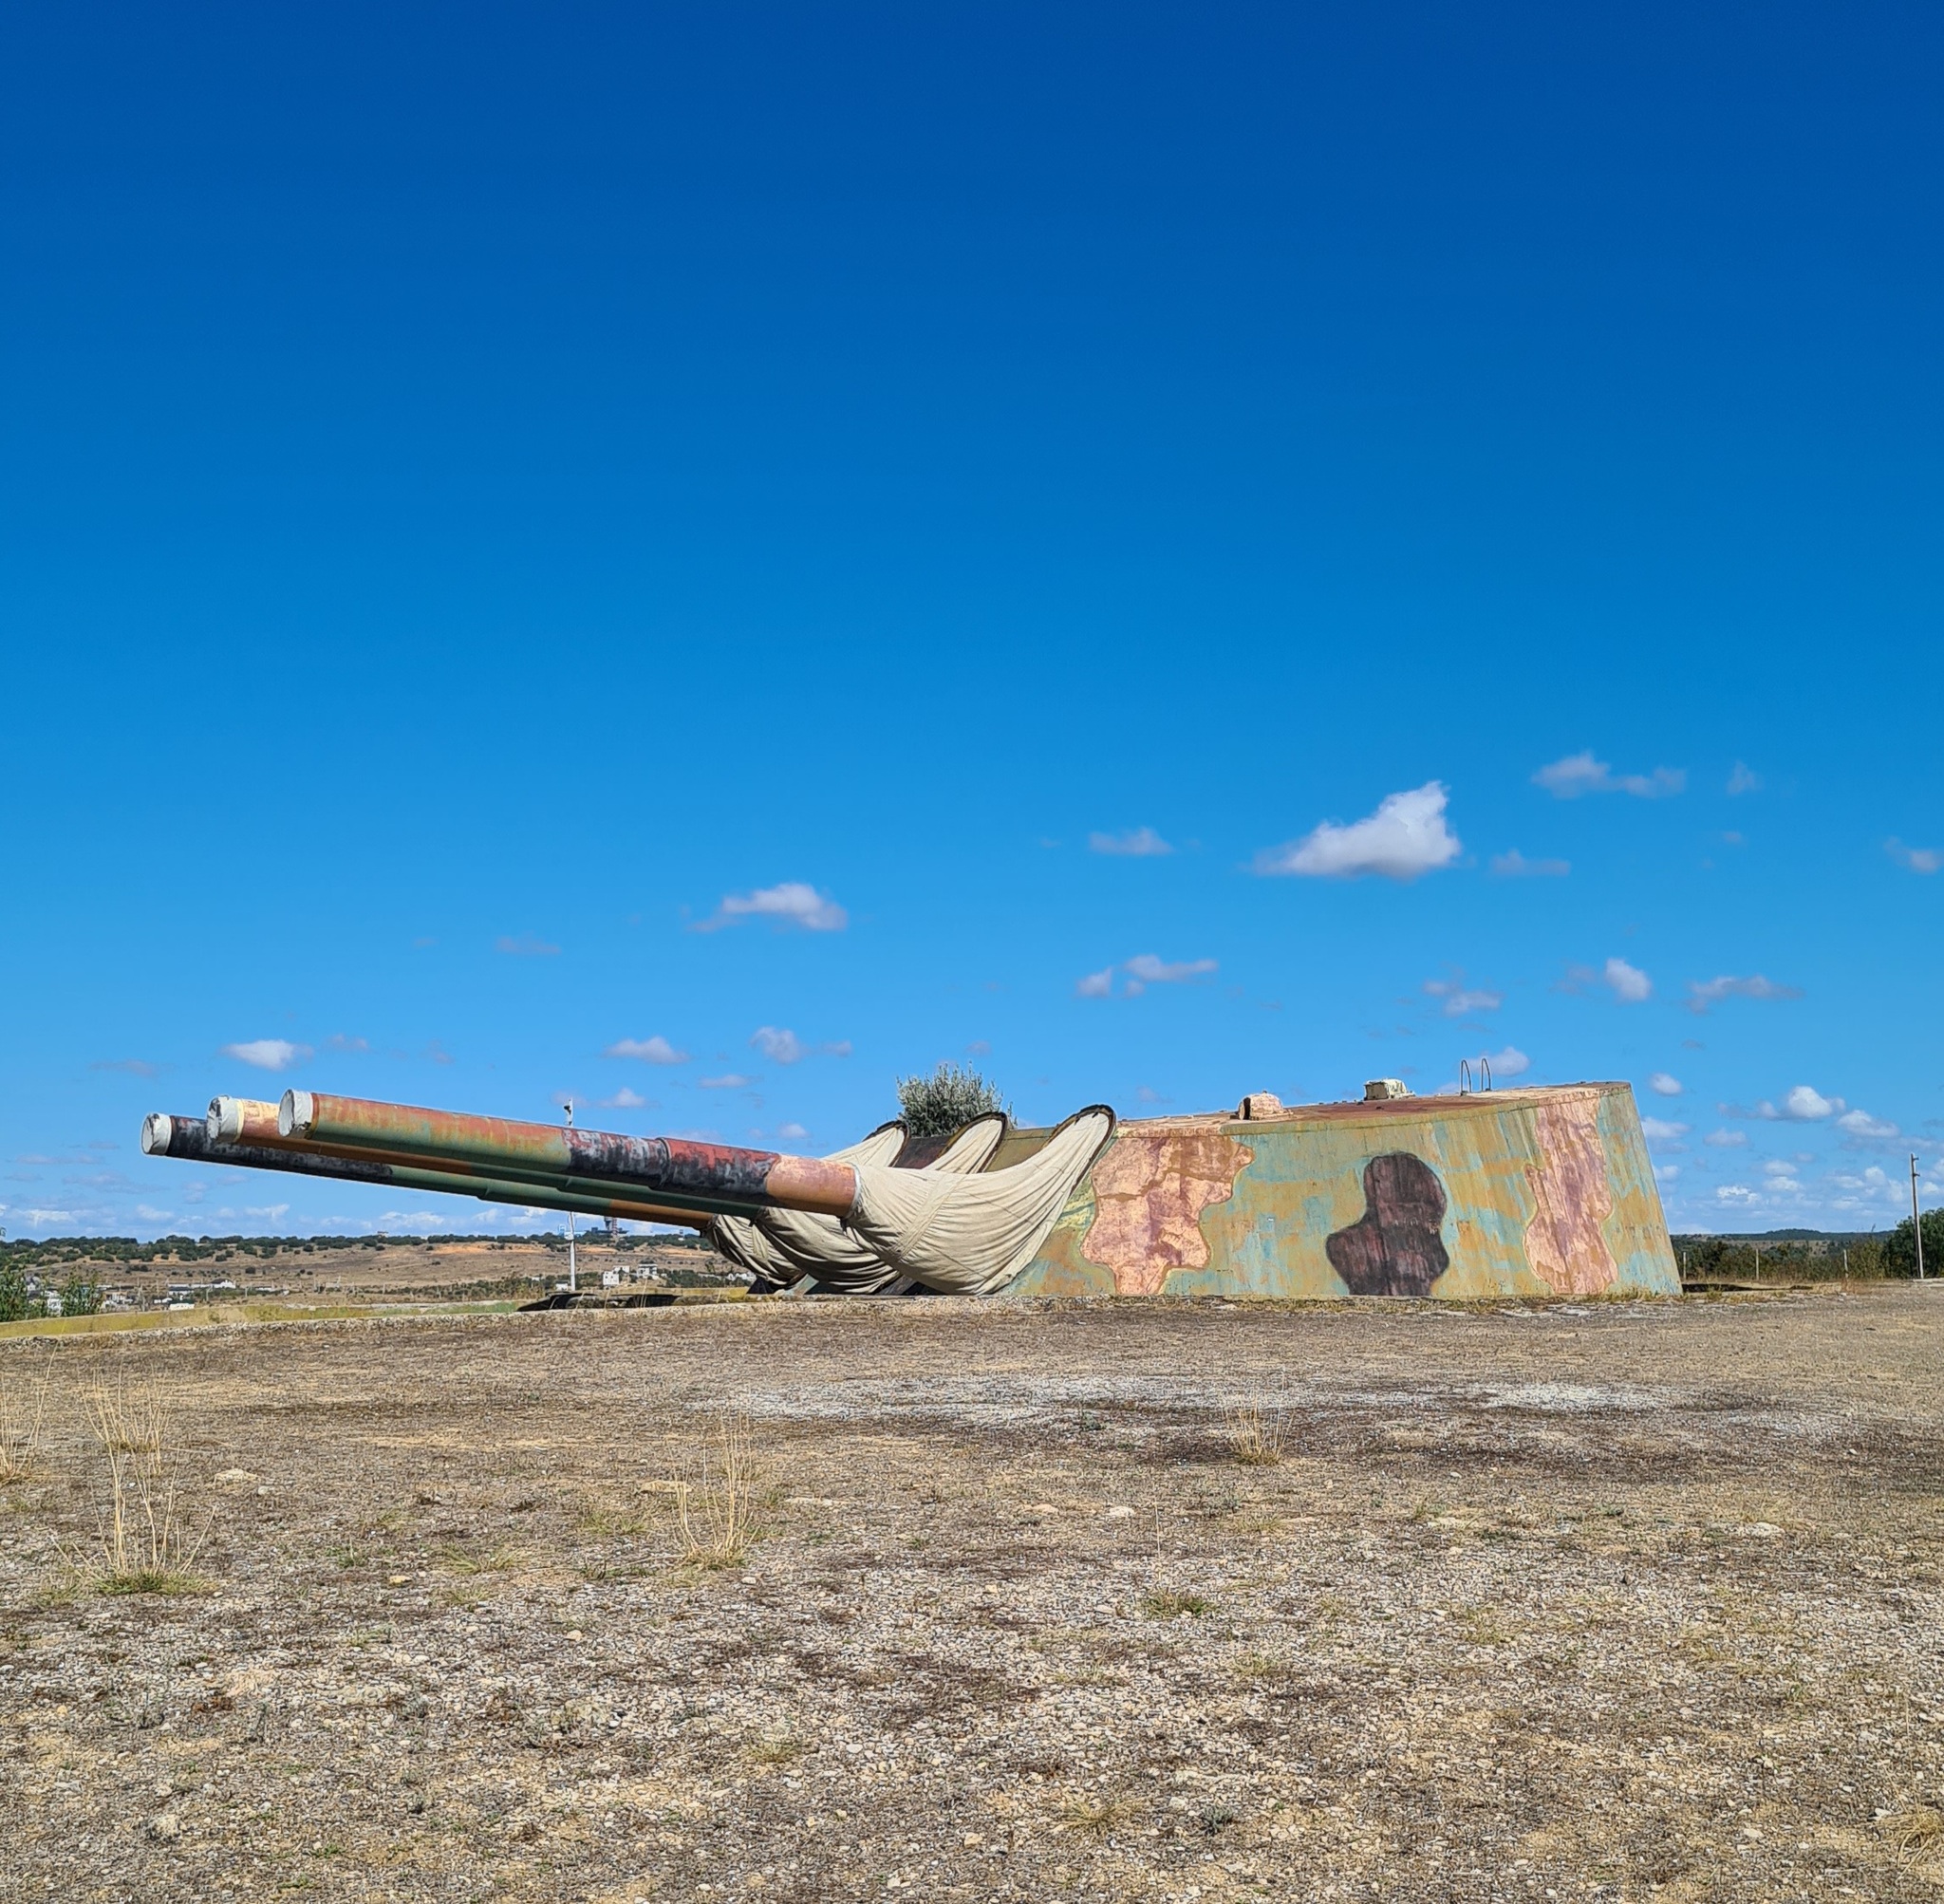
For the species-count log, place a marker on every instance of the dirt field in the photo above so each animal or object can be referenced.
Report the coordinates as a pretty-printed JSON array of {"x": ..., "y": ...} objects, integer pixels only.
[{"x": 1619, "y": 1602}]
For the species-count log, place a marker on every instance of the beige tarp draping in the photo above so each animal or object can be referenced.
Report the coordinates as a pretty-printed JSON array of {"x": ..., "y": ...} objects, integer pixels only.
[
  {"x": 747, "y": 1246},
  {"x": 970, "y": 1236},
  {"x": 851, "y": 1266}
]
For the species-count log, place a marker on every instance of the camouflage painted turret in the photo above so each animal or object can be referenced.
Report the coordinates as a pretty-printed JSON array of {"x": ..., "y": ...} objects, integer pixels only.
[{"x": 1496, "y": 1193}]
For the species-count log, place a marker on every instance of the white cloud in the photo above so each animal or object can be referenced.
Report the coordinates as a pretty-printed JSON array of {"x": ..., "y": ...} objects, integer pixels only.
[
  {"x": 1727, "y": 1140},
  {"x": 731, "y": 1080},
  {"x": 1734, "y": 1193},
  {"x": 1665, "y": 1174},
  {"x": 1509, "y": 1062},
  {"x": 135, "y": 1067},
  {"x": 792, "y": 902},
  {"x": 624, "y": 1100},
  {"x": 1630, "y": 985},
  {"x": 1702, "y": 993},
  {"x": 656, "y": 1050},
  {"x": 1663, "y": 1085},
  {"x": 1406, "y": 837},
  {"x": 525, "y": 946},
  {"x": 338, "y": 1041},
  {"x": 792, "y": 1132},
  {"x": 267, "y": 1054},
  {"x": 1095, "y": 985},
  {"x": 1581, "y": 773},
  {"x": 1458, "y": 1001},
  {"x": 782, "y": 1046},
  {"x": 150, "y": 1215},
  {"x": 1744, "y": 780},
  {"x": 1139, "y": 843},
  {"x": 779, "y": 1045},
  {"x": 1150, "y": 970},
  {"x": 1914, "y": 859},
  {"x": 1660, "y": 1130},
  {"x": 270, "y": 1212},
  {"x": 1860, "y": 1124},
  {"x": 1807, "y": 1105},
  {"x": 1514, "y": 864}
]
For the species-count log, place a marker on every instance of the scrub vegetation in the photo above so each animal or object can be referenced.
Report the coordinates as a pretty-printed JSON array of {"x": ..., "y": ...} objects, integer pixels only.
[{"x": 949, "y": 1098}]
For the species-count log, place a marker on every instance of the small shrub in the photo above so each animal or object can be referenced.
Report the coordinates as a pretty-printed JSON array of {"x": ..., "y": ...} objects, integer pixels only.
[
  {"x": 80, "y": 1296},
  {"x": 950, "y": 1098},
  {"x": 17, "y": 1305}
]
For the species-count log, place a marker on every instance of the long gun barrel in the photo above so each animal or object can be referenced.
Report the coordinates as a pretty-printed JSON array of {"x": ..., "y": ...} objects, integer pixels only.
[
  {"x": 716, "y": 1178},
  {"x": 190, "y": 1138}
]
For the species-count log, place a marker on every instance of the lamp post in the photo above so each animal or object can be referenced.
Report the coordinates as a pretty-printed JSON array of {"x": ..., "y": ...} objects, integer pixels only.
[
  {"x": 573, "y": 1277},
  {"x": 1916, "y": 1221}
]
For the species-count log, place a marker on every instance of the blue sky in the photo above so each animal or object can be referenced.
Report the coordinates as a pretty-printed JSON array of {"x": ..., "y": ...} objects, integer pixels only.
[{"x": 527, "y": 534}]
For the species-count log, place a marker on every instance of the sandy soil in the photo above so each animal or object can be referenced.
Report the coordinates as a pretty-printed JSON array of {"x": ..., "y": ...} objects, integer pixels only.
[{"x": 1619, "y": 1603}]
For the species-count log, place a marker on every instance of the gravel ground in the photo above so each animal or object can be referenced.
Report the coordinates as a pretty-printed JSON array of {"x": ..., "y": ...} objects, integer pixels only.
[{"x": 1617, "y": 1601}]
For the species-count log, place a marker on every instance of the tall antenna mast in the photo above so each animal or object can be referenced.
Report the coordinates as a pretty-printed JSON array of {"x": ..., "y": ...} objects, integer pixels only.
[{"x": 572, "y": 1276}]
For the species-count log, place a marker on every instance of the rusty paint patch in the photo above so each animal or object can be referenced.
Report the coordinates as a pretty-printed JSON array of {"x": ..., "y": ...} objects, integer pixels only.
[
  {"x": 1150, "y": 1193},
  {"x": 1394, "y": 1248},
  {"x": 1565, "y": 1241}
]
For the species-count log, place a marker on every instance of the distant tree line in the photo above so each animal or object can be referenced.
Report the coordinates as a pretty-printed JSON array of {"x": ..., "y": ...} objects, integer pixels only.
[{"x": 1809, "y": 1258}]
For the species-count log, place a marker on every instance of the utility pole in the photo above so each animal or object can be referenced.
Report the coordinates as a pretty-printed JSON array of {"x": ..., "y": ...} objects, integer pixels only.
[
  {"x": 1916, "y": 1221},
  {"x": 572, "y": 1276}
]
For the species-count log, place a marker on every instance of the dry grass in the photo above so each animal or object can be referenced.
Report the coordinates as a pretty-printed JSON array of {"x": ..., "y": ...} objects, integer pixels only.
[
  {"x": 1917, "y": 1832},
  {"x": 143, "y": 1540},
  {"x": 22, "y": 1414},
  {"x": 721, "y": 1516},
  {"x": 1096, "y": 1816},
  {"x": 1254, "y": 1430},
  {"x": 784, "y": 1750},
  {"x": 1367, "y": 1699},
  {"x": 1169, "y": 1605}
]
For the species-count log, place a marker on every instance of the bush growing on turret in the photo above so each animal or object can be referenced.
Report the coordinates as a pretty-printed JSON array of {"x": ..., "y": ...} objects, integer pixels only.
[{"x": 953, "y": 1095}]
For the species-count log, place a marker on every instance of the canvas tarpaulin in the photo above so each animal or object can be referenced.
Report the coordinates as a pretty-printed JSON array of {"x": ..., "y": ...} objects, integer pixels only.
[
  {"x": 748, "y": 1248},
  {"x": 970, "y": 1236},
  {"x": 848, "y": 1265}
]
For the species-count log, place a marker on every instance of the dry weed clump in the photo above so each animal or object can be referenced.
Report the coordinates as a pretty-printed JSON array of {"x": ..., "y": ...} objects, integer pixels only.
[
  {"x": 784, "y": 1750},
  {"x": 20, "y": 1415},
  {"x": 144, "y": 1543},
  {"x": 1169, "y": 1605},
  {"x": 1096, "y": 1816},
  {"x": 1254, "y": 1430},
  {"x": 719, "y": 1517},
  {"x": 1917, "y": 1832}
]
